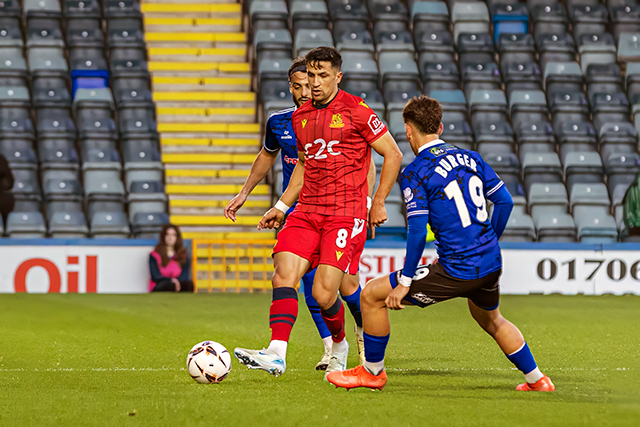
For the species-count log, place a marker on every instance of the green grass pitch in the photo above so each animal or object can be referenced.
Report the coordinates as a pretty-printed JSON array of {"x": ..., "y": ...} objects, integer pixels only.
[{"x": 111, "y": 360}]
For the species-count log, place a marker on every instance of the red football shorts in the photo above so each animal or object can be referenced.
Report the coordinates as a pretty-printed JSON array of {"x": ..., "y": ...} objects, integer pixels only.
[{"x": 332, "y": 240}]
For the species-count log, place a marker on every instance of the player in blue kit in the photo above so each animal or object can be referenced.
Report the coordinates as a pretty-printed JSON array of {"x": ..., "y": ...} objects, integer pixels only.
[
  {"x": 280, "y": 137},
  {"x": 447, "y": 187}
]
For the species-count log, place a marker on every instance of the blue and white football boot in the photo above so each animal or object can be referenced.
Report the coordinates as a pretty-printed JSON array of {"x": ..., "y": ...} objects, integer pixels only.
[{"x": 265, "y": 359}]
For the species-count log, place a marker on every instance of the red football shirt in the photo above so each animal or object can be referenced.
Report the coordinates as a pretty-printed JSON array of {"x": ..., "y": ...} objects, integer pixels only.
[{"x": 335, "y": 139}]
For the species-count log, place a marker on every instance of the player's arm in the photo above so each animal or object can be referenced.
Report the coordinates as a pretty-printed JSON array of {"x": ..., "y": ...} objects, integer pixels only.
[
  {"x": 502, "y": 207},
  {"x": 417, "y": 219},
  {"x": 371, "y": 179},
  {"x": 291, "y": 194},
  {"x": 498, "y": 193},
  {"x": 274, "y": 216},
  {"x": 261, "y": 165},
  {"x": 385, "y": 146}
]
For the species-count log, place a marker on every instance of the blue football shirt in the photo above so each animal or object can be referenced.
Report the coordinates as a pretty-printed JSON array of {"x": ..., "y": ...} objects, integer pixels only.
[
  {"x": 280, "y": 136},
  {"x": 451, "y": 185}
]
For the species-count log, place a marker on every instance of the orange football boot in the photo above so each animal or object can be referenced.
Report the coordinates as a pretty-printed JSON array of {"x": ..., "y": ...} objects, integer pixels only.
[
  {"x": 357, "y": 377},
  {"x": 543, "y": 384}
]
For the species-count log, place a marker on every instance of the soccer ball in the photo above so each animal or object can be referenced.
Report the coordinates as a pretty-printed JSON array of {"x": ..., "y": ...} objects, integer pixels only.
[{"x": 208, "y": 362}]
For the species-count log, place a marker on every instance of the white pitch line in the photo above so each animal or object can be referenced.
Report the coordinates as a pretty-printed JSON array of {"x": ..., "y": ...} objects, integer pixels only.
[{"x": 175, "y": 369}]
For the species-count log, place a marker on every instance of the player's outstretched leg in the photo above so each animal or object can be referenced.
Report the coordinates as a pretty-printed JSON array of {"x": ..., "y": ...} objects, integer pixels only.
[
  {"x": 350, "y": 291},
  {"x": 325, "y": 291},
  {"x": 512, "y": 343},
  {"x": 289, "y": 269},
  {"x": 376, "y": 337},
  {"x": 307, "y": 281}
]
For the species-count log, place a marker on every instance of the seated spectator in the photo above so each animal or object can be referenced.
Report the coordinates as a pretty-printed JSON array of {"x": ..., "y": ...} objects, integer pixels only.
[
  {"x": 169, "y": 263},
  {"x": 631, "y": 208}
]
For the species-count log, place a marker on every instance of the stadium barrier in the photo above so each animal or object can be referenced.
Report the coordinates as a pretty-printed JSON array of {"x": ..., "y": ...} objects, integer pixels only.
[
  {"x": 121, "y": 266},
  {"x": 238, "y": 265}
]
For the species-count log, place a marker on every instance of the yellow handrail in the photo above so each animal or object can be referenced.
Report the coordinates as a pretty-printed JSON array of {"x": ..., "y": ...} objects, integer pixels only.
[{"x": 248, "y": 260}]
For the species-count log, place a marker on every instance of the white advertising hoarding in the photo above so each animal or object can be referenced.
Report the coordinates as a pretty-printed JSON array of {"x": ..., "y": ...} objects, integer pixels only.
[
  {"x": 125, "y": 269},
  {"x": 74, "y": 269},
  {"x": 525, "y": 271}
]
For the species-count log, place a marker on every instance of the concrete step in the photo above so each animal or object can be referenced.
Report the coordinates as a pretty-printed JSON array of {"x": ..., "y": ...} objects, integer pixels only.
[
  {"x": 206, "y": 176},
  {"x": 213, "y": 146},
  {"x": 189, "y": 231},
  {"x": 246, "y": 236},
  {"x": 234, "y": 54},
  {"x": 198, "y": 149},
  {"x": 211, "y": 159},
  {"x": 199, "y": 69},
  {"x": 209, "y": 130},
  {"x": 212, "y": 220},
  {"x": 196, "y": 40},
  {"x": 193, "y": 25},
  {"x": 205, "y": 115},
  {"x": 205, "y": 99},
  {"x": 192, "y": 10},
  {"x": 245, "y": 211},
  {"x": 216, "y": 201},
  {"x": 190, "y": 1},
  {"x": 200, "y": 84},
  {"x": 213, "y": 189}
]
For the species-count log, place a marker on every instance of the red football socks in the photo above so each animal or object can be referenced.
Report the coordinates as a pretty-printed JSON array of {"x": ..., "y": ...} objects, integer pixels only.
[
  {"x": 334, "y": 319},
  {"x": 283, "y": 313}
]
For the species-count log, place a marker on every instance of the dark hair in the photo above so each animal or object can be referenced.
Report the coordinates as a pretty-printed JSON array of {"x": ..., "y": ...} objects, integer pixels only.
[
  {"x": 161, "y": 247},
  {"x": 424, "y": 113},
  {"x": 298, "y": 63},
  {"x": 324, "y": 54}
]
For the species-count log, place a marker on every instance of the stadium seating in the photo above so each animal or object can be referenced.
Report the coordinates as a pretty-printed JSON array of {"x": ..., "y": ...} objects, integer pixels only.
[
  {"x": 123, "y": 111},
  {"x": 536, "y": 87},
  {"x": 57, "y": 114}
]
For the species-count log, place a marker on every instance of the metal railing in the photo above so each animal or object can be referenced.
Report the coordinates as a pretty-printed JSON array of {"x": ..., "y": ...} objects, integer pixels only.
[{"x": 232, "y": 265}]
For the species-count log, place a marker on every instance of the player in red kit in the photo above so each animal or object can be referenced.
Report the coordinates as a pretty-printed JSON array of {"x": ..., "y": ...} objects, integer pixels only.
[{"x": 334, "y": 131}]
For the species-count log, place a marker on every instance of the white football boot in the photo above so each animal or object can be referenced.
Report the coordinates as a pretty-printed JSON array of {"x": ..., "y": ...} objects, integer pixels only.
[
  {"x": 338, "y": 361},
  {"x": 324, "y": 361},
  {"x": 265, "y": 359}
]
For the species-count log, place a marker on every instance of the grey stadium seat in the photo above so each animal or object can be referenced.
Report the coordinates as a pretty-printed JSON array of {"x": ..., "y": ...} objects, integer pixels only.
[
  {"x": 110, "y": 224},
  {"x": 469, "y": 18},
  {"x": 96, "y": 98},
  {"x": 308, "y": 14},
  {"x": 519, "y": 228},
  {"x": 628, "y": 47},
  {"x": 146, "y": 197},
  {"x": 101, "y": 160},
  {"x": 583, "y": 167},
  {"x": 589, "y": 195},
  {"x": 62, "y": 195},
  {"x": 47, "y": 59},
  {"x": 26, "y": 225},
  {"x": 554, "y": 226},
  {"x": 142, "y": 158},
  {"x": 548, "y": 194},
  {"x": 360, "y": 68},
  {"x": 26, "y": 190},
  {"x": 305, "y": 40},
  {"x": 68, "y": 225},
  {"x": 565, "y": 75},
  {"x": 41, "y": 6},
  {"x": 148, "y": 225},
  {"x": 541, "y": 167},
  {"x": 595, "y": 224},
  {"x": 268, "y": 14},
  {"x": 399, "y": 66},
  {"x": 274, "y": 43}
]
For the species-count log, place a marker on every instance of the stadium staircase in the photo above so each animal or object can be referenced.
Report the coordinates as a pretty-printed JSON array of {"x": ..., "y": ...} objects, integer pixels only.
[{"x": 201, "y": 83}]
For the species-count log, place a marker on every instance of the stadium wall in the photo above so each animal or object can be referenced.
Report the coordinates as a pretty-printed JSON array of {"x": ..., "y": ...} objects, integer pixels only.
[{"x": 120, "y": 266}]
